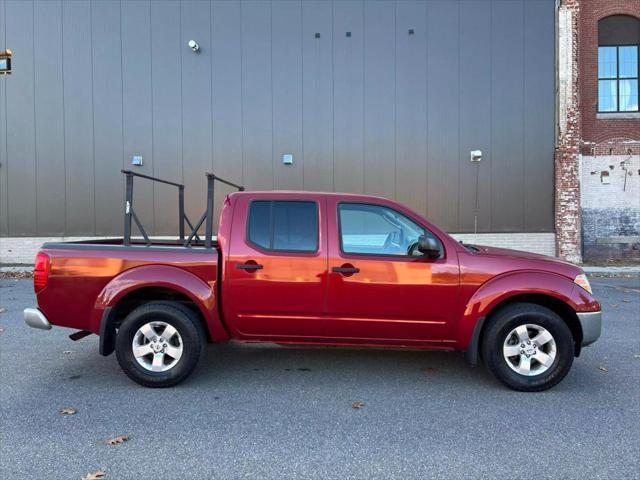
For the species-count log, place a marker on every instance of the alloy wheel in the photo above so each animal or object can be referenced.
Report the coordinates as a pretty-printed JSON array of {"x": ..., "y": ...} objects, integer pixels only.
[
  {"x": 157, "y": 346},
  {"x": 529, "y": 349}
]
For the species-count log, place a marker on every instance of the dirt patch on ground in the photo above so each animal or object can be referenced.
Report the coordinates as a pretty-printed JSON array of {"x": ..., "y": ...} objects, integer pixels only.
[{"x": 16, "y": 275}]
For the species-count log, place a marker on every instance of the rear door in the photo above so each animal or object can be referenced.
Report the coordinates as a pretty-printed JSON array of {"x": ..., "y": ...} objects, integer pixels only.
[
  {"x": 380, "y": 289},
  {"x": 276, "y": 271}
]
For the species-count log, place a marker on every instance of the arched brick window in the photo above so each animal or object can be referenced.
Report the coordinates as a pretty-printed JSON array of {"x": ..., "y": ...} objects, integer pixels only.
[{"x": 618, "y": 47}]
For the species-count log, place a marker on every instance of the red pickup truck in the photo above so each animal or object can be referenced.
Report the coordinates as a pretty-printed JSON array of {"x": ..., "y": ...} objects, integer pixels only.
[{"x": 318, "y": 269}]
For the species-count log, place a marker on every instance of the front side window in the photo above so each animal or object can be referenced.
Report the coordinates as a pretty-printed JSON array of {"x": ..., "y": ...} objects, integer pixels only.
[
  {"x": 289, "y": 226},
  {"x": 618, "y": 45},
  {"x": 376, "y": 230}
]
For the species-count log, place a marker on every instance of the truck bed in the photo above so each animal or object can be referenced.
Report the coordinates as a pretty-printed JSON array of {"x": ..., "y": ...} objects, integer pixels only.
[{"x": 82, "y": 274}]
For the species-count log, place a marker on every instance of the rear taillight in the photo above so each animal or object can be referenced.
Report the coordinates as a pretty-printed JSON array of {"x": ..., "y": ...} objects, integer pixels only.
[{"x": 41, "y": 271}]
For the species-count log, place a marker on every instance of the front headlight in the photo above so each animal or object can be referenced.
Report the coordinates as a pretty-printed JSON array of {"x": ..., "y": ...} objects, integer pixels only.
[{"x": 583, "y": 281}]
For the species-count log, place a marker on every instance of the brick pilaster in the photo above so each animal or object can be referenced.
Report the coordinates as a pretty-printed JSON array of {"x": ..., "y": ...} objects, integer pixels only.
[{"x": 567, "y": 157}]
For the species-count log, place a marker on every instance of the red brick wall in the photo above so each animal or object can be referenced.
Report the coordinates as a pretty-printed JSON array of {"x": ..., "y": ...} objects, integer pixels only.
[
  {"x": 584, "y": 132},
  {"x": 601, "y": 138},
  {"x": 593, "y": 129}
]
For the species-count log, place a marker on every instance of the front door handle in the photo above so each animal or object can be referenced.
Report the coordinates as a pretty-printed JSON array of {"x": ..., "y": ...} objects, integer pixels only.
[
  {"x": 249, "y": 266},
  {"x": 345, "y": 269}
]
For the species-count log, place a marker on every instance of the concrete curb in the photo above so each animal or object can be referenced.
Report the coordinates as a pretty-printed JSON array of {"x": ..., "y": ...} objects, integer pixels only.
[
  {"x": 634, "y": 269},
  {"x": 16, "y": 269}
]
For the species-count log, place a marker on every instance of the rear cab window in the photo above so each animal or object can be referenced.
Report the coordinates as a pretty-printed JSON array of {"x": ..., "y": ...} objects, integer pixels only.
[{"x": 283, "y": 225}]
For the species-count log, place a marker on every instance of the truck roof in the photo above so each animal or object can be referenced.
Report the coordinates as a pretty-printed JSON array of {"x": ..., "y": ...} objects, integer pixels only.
[{"x": 307, "y": 194}]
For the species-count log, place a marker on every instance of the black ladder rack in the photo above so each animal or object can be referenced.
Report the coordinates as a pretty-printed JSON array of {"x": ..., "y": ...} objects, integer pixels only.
[{"x": 207, "y": 216}]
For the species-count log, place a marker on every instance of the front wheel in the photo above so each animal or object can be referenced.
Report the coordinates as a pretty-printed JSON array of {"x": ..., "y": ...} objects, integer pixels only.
[
  {"x": 528, "y": 347},
  {"x": 159, "y": 344}
]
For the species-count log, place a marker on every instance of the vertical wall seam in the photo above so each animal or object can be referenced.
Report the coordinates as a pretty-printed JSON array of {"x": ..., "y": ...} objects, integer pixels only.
[
  {"x": 93, "y": 119},
  {"x": 242, "y": 92},
  {"x": 242, "y": 182},
  {"x": 211, "y": 72},
  {"x": 459, "y": 156},
  {"x": 333, "y": 103},
  {"x": 333, "y": 94},
  {"x": 6, "y": 129},
  {"x": 122, "y": 89},
  {"x": 491, "y": 115},
  {"x": 364, "y": 97},
  {"x": 362, "y": 155},
  {"x": 426, "y": 110},
  {"x": 524, "y": 139},
  {"x": 273, "y": 123},
  {"x": 302, "y": 86},
  {"x": 153, "y": 185},
  {"x": 181, "y": 96},
  {"x": 395, "y": 99},
  {"x": 35, "y": 121},
  {"x": 64, "y": 123}
]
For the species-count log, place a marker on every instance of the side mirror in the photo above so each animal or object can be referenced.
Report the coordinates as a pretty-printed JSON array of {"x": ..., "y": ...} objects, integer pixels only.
[{"x": 429, "y": 246}]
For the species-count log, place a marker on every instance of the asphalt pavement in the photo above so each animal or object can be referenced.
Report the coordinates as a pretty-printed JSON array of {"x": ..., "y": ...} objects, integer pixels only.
[{"x": 273, "y": 412}]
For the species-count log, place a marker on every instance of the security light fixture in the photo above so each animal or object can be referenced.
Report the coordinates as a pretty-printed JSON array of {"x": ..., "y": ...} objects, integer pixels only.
[
  {"x": 475, "y": 155},
  {"x": 193, "y": 45}
]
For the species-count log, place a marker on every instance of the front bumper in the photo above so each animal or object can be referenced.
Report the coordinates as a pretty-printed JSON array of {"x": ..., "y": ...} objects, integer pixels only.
[
  {"x": 36, "y": 319},
  {"x": 591, "y": 323}
]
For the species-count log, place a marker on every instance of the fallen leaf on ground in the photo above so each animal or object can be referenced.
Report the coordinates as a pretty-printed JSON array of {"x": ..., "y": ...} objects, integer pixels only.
[
  {"x": 95, "y": 475},
  {"x": 604, "y": 369},
  {"x": 117, "y": 440},
  {"x": 637, "y": 355},
  {"x": 1, "y": 329},
  {"x": 68, "y": 411},
  {"x": 614, "y": 305},
  {"x": 626, "y": 300},
  {"x": 3, "y": 310},
  {"x": 67, "y": 352},
  {"x": 357, "y": 405}
]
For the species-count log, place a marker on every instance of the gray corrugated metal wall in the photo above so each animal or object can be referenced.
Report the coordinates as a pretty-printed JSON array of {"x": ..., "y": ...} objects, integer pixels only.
[{"x": 380, "y": 111}]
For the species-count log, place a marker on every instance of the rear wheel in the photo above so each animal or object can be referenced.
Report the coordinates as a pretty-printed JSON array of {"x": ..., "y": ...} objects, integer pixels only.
[
  {"x": 528, "y": 347},
  {"x": 159, "y": 344}
]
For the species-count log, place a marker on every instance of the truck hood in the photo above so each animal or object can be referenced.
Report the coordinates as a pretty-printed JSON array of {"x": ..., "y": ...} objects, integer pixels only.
[{"x": 527, "y": 260}]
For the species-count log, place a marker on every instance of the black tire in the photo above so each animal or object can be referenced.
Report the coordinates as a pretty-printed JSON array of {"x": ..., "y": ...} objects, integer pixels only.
[
  {"x": 190, "y": 329},
  {"x": 508, "y": 318}
]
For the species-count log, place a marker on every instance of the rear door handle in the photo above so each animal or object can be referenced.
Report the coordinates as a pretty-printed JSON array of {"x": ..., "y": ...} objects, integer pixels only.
[
  {"x": 345, "y": 270},
  {"x": 248, "y": 266}
]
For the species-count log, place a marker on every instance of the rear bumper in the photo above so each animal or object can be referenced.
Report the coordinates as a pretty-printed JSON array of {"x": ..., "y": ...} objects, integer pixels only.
[
  {"x": 36, "y": 319},
  {"x": 591, "y": 323}
]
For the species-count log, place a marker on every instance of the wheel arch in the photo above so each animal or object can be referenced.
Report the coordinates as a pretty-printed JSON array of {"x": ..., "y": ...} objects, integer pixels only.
[
  {"x": 138, "y": 286},
  {"x": 557, "y": 306},
  {"x": 511, "y": 289}
]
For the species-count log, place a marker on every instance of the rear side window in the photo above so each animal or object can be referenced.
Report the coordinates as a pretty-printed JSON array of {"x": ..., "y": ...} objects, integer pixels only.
[{"x": 288, "y": 226}]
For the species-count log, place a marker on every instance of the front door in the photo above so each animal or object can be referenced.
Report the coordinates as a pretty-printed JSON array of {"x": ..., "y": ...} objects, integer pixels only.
[
  {"x": 381, "y": 290},
  {"x": 275, "y": 276}
]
